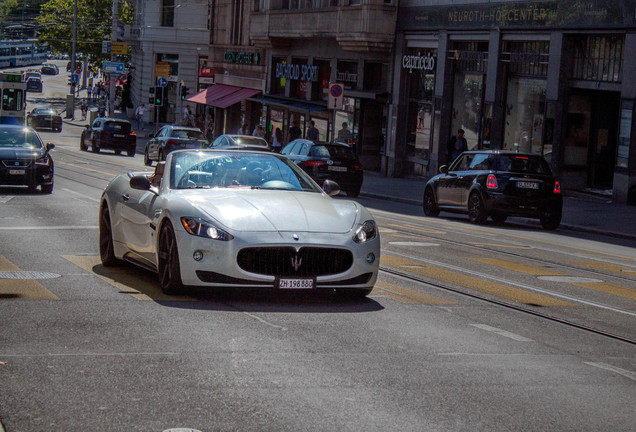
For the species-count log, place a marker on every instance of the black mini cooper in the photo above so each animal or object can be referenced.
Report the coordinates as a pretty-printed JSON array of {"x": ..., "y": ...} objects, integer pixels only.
[{"x": 498, "y": 184}]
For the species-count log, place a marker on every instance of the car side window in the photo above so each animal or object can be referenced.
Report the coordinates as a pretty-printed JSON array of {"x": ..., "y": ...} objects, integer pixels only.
[
  {"x": 95, "y": 124},
  {"x": 480, "y": 162},
  {"x": 163, "y": 132},
  {"x": 463, "y": 163}
]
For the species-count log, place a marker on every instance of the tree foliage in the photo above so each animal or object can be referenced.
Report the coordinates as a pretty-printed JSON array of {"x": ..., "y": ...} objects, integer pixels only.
[
  {"x": 94, "y": 25},
  {"x": 17, "y": 18}
]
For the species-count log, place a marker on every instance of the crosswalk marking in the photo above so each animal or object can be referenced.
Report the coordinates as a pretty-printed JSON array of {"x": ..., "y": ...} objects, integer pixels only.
[
  {"x": 128, "y": 280},
  {"x": 21, "y": 289},
  {"x": 473, "y": 283},
  {"x": 405, "y": 295}
]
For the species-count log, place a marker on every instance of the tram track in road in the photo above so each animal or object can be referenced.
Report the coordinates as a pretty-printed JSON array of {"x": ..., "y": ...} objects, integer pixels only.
[{"x": 518, "y": 307}]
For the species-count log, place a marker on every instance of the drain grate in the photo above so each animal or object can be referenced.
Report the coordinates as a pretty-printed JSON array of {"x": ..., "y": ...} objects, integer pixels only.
[{"x": 27, "y": 275}]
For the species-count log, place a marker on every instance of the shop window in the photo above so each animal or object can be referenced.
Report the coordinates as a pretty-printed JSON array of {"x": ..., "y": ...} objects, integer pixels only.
[
  {"x": 525, "y": 105},
  {"x": 375, "y": 76},
  {"x": 597, "y": 58},
  {"x": 278, "y": 81},
  {"x": 347, "y": 74},
  {"x": 529, "y": 58},
  {"x": 320, "y": 88},
  {"x": 298, "y": 87}
]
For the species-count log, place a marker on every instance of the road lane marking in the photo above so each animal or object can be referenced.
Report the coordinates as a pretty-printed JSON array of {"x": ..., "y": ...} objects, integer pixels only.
[
  {"x": 81, "y": 195},
  {"x": 21, "y": 289},
  {"x": 622, "y": 270},
  {"x": 502, "y": 332},
  {"x": 518, "y": 267},
  {"x": 625, "y": 373},
  {"x": 501, "y": 245},
  {"x": 608, "y": 288},
  {"x": 127, "y": 279},
  {"x": 473, "y": 283},
  {"x": 57, "y": 227},
  {"x": 405, "y": 295}
]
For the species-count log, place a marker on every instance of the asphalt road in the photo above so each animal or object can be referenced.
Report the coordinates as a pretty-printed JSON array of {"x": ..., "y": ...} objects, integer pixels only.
[{"x": 469, "y": 328}]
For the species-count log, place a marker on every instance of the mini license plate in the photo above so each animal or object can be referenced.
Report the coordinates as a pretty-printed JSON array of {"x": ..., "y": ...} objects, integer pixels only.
[
  {"x": 119, "y": 135},
  {"x": 527, "y": 185},
  {"x": 295, "y": 283},
  {"x": 17, "y": 172},
  {"x": 337, "y": 168}
]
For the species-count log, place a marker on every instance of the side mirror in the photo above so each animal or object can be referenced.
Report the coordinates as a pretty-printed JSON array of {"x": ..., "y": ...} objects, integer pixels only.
[
  {"x": 443, "y": 169},
  {"x": 151, "y": 135},
  {"x": 331, "y": 188},
  {"x": 50, "y": 146},
  {"x": 140, "y": 182}
]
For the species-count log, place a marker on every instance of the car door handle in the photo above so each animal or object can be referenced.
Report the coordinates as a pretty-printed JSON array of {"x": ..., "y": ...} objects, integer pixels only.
[{"x": 125, "y": 197}]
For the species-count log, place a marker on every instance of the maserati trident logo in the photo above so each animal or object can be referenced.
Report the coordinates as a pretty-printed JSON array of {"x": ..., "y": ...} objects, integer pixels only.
[{"x": 296, "y": 262}]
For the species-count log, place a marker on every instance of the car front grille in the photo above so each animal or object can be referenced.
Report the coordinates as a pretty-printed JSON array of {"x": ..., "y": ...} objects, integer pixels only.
[
  {"x": 16, "y": 163},
  {"x": 285, "y": 261}
]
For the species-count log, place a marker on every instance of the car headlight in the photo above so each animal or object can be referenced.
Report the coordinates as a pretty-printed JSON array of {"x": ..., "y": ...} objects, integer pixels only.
[
  {"x": 45, "y": 160},
  {"x": 202, "y": 228},
  {"x": 367, "y": 231}
]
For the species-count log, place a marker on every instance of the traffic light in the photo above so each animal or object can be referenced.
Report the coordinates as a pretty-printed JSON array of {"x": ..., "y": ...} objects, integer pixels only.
[
  {"x": 184, "y": 92},
  {"x": 159, "y": 96}
]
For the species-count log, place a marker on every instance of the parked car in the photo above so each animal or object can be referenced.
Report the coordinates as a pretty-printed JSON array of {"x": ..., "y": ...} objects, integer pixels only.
[
  {"x": 328, "y": 161},
  {"x": 24, "y": 159},
  {"x": 227, "y": 218},
  {"x": 109, "y": 133},
  {"x": 32, "y": 73},
  {"x": 498, "y": 184},
  {"x": 44, "y": 117},
  {"x": 34, "y": 84},
  {"x": 170, "y": 138},
  {"x": 240, "y": 142},
  {"x": 50, "y": 69}
]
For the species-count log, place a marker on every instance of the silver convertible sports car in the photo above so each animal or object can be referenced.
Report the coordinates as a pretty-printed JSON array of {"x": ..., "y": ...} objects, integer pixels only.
[{"x": 216, "y": 218}]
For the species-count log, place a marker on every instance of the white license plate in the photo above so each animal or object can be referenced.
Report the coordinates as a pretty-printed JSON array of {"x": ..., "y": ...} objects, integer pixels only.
[
  {"x": 527, "y": 185},
  {"x": 119, "y": 135},
  {"x": 17, "y": 172},
  {"x": 296, "y": 283},
  {"x": 337, "y": 168}
]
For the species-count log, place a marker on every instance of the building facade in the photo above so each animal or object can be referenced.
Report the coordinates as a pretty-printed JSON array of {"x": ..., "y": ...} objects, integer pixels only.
[{"x": 547, "y": 77}]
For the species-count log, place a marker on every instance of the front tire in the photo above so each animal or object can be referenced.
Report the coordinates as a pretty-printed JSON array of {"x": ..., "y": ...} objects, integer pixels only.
[
  {"x": 551, "y": 219},
  {"x": 168, "y": 265},
  {"x": 106, "y": 246},
  {"x": 47, "y": 189},
  {"x": 429, "y": 205},
  {"x": 147, "y": 160},
  {"x": 476, "y": 209},
  {"x": 83, "y": 146},
  {"x": 94, "y": 147}
]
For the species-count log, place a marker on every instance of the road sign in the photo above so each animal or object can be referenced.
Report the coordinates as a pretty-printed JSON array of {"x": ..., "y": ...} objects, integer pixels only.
[
  {"x": 118, "y": 47},
  {"x": 336, "y": 96},
  {"x": 105, "y": 47},
  {"x": 162, "y": 82},
  {"x": 75, "y": 78},
  {"x": 109, "y": 66}
]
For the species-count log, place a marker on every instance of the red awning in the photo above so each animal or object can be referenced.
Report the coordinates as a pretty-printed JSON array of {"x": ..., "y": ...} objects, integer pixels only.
[{"x": 222, "y": 96}]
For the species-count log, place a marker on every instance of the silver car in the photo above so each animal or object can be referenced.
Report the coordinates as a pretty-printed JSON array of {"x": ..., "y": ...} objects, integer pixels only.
[{"x": 216, "y": 218}]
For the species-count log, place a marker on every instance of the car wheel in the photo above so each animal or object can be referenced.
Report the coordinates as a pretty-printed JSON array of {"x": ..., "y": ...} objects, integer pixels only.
[
  {"x": 130, "y": 152},
  {"x": 117, "y": 152},
  {"x": 498, "y": 218},
  {"x": 429, "y": 205},
  {"x": 476, "y": 210},
  {"x": 353, "y": 192},
  {"x": 47, "y": 189},
  {"x": 106, "y": 247},
  {"x": 94, "y": 147},
  {"x": 168, "y": 265},
  {"x": 82, "y": 143},
  {"x": 551, "y": 219},
  {"x": 161, "y": 157},
  {"x": 147, "y": 160}
]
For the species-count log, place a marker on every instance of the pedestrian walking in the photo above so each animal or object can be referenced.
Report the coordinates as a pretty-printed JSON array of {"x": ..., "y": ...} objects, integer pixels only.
[{"x": 139, "y": 115}]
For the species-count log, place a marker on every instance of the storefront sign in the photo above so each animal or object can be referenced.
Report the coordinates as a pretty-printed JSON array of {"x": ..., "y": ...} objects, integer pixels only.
[
  {"x": 419, "y": 62},
  {"x": 296, "y": 72},
  {"x": 241, "y": 57},
  {"x": 347, "y": 77}
]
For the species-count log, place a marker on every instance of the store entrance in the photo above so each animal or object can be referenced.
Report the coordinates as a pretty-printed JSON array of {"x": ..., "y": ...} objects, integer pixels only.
[{"x": 592, "y": 123}]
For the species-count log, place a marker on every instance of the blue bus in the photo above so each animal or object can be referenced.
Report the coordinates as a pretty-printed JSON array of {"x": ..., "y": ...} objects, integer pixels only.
[{"x": 14, "y": 53}]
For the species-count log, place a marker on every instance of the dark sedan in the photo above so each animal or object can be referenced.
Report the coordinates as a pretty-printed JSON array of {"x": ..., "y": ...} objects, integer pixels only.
[
  {"x": 327, "y": 161},
  {"x": 44, "y": 118},
  {"x": 34, "y": 84},
  {"x": 498, "y": 184},
  {"x": 50, "y": 69},
  {"x": 109, "y": 133},
  {"x": 24, "y": 159},
  {"x": 240, "y": 142},
  {"x": 170, "y": 138}
]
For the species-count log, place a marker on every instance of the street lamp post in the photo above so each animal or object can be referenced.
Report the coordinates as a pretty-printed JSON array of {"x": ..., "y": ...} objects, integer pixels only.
[{"x": 113, "y": 57}]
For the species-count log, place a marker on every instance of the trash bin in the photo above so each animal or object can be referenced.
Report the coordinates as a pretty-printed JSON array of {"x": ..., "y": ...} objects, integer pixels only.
[{"x": 92, "y": 114}]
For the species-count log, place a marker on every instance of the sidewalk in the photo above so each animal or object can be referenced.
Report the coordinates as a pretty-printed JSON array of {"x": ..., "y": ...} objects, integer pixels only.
[{"x": 581, "y": 211}]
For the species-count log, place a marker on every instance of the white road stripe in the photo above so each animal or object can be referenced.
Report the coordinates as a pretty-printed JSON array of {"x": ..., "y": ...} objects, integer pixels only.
[
  {"x": 60, "y": 227},
  {"x": 502, "y": 332},
  {"x": 625, "y": 373}
]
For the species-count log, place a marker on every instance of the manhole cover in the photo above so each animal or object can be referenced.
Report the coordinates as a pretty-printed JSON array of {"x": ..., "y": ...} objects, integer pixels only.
[{"x": 28, "y": 275}]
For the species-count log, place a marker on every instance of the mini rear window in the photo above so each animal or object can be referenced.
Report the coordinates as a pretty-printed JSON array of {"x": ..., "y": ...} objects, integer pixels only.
[
  {"x": 340, "y": 152},
  {"x": 527, "y": 164},
  {"x": 117, "y": 127}
]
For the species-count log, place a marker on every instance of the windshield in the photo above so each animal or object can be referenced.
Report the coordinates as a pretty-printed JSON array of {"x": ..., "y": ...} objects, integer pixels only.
[
  {"x": 528, "y": 164},
  {"x": 213, "y": 169},
  {"x": 190, "y": 134},
  {"x": 19, "y": 138}
]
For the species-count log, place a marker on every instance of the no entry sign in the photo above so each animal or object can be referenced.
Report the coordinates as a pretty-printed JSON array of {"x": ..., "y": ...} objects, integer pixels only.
[{"x": 336, "y": 96}]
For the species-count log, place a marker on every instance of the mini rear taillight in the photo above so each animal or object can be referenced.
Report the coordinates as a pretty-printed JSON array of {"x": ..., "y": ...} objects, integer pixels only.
[
  {"x": 557, "y": 187},
  {"x": 357, "y": 167},
  {"x": 314, "y": 163},
  {"x": 491, "y": 182}
]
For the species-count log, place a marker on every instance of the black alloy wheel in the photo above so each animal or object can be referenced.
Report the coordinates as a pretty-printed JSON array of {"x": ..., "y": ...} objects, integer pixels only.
[
  {"x": 429, "y": 205},
  {"x": 130, "y": 152},
  {"x": 168, "y": 265},
  {"x": 476, "y": 209},
  {"x": 106, "y": 247},
  {"x": 94, "y": 147},
  {"x": 551, "y": 219},
  {"x": 353, "y": 193},
  {"x": 83, "y": 146}
]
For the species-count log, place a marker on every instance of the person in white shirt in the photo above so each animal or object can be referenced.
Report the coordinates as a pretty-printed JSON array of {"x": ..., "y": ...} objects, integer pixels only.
[{"x": 139, "y": 115}]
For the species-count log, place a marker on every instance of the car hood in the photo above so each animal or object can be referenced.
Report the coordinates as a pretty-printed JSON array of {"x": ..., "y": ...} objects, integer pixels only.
[
  {"x": 12, "y": 153},
  {"x": 264, "y": 210}
]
